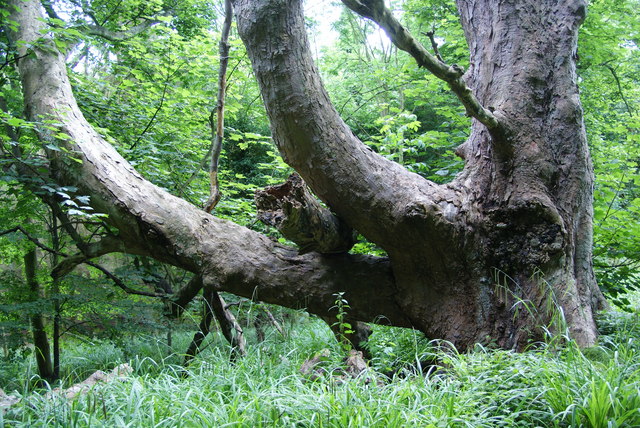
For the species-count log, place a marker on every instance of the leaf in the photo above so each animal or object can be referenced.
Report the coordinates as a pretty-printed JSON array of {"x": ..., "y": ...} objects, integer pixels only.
[
  {"x": 63, "y": 136},
  {"x": 15, "y": 121}
]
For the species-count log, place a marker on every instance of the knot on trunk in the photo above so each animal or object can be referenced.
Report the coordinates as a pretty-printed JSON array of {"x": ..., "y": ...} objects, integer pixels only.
[{"x": 300, "y": 217}]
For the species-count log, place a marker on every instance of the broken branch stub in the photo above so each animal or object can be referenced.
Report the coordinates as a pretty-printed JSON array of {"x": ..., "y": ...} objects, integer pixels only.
[{"x": 298, "y": 215}]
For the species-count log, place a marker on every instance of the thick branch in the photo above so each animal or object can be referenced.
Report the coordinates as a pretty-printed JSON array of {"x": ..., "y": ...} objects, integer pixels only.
[
  {"x": 400, "y": 36},
  {"x": 184, "y": 296},
  {"x": 360, "y": 186},
  {"x": 298, "y": 215}
]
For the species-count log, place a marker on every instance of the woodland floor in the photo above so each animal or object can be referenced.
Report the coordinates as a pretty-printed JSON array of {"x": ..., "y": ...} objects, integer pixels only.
[{"x": 552, "y": 384}]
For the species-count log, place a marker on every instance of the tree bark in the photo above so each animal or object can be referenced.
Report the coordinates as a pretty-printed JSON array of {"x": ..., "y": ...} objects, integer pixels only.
[
  {"x": 217, "y": 128},
  {"x": 298, "y": 215},
  {"x": 512, "y": 231},
  {"x": 57, "y": 308},
  {"x": 214, "y": 305}
]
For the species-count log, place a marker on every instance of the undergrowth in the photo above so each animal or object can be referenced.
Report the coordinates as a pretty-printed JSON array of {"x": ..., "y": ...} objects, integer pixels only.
[{"x": 544, "y": 387}]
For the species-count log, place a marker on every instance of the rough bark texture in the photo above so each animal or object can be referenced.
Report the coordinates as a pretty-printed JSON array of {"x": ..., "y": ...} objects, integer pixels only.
[
  {"x": 514, "y": 229},
  {"x": 154, "y": 223}
]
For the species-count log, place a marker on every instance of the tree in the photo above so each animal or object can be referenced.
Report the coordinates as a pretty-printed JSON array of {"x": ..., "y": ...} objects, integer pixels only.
[{"x": 495, "y": 255}]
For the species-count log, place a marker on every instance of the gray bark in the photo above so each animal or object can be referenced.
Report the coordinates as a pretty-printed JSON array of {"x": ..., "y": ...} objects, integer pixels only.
[
  {"x": 514, "y": 228},
  {"x": 298, "y": 215},
  {"x": 231, "y": 257}
]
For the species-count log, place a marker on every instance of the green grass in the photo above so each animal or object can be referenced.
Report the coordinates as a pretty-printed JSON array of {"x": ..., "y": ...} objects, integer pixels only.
[{"x": 546, "y": 387}]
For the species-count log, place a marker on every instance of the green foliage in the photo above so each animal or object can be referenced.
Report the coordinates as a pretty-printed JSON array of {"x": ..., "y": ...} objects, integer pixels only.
[
  {"x": 401, "y": 111},
  {"x": 400, "y": 349},
  {"x": 608, "y": 67},
  {"x": 342, "y": 326},
  {"x": 597, "y": 387},
  {"x": 152, "y": 96}
]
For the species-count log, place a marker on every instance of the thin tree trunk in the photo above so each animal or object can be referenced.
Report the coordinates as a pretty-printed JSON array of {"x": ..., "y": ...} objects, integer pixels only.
[
  {"x": 230, "y": 328},
  {"x": 217, "y": 129},
  {"x": 55, "y": 241},
  {"x": 40, "y": 340}
]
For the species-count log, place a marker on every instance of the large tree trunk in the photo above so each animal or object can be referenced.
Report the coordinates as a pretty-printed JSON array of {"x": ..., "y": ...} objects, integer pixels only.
[
  {"x": 494, "y": 255},
  {"x": 514, "y": 229}
]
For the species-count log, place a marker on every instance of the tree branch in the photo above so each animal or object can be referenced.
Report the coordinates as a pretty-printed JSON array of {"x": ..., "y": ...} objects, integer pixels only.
[
  {"x": 434, "y": 45},
  {"x": 400, "y": 36},
  {"x": 118, "y": 36},
  {"x": 173, "y": 231},
  {"x": 155, "y": 114},
  {"x": 99, "y": 29},
  {"x": 620, "y": 91},
  {"x": 48, "y": 8},
  {"x": 184, "y": 296},
  {"x": 297, "y": 214},
  {"x": 218, "y": 129},
  {"x": 117, "y": 281}
]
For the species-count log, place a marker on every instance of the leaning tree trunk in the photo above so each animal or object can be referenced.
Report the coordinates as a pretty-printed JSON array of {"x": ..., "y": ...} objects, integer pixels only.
[{"x": 491, "y": 256}]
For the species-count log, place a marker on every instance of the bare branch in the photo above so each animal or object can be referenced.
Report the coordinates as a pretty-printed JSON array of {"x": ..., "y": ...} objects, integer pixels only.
[
  {"x": 153, "y": 117},
  {"x": 620, "y": 91},
  {"x": 400, "y": 36},
  {"x": 218, "y": 134},
  {"x": 434, "y": 45},
  {"x": 117, "y": 281},
  {"x": 106, "y": 245},
  {"x": 118, "y": 36}
]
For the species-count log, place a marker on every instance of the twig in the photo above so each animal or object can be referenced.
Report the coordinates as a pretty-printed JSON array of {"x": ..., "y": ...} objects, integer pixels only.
[
  {"x": 117, "y": 281},
  {"x": 155, "y": 114},
  {"x": 615, "y": 77},
  {"x": 434, "y": 45}
]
